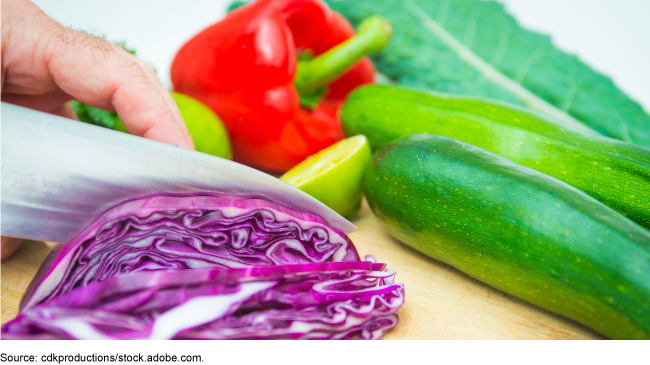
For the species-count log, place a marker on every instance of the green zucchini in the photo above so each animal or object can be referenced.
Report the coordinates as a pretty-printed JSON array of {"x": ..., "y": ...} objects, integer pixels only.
[
  {"x": 516, "y": 229},
  {"x": 614, "y": 172}
]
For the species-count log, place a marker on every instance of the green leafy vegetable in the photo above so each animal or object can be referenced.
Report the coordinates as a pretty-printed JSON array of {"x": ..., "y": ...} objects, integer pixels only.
[
  {"x": 474, "y": 47},
  {"x": 92, "y": 115},
  {"x": 236, "y": 4},
  {"x": 125, "y": 47}
]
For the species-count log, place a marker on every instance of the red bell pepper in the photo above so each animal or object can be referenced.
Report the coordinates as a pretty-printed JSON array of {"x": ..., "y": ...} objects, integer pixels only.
[{"x": 246, "y": 68}]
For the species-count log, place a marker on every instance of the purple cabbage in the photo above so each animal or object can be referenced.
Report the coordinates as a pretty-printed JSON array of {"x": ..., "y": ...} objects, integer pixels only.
[
  {"x": 189, "y": 231},
  {"x": 333, "y": 300},
  {"x": 208, "y": 266}
]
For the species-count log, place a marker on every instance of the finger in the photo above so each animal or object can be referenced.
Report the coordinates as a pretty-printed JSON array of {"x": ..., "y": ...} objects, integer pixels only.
[
  {"x": 8, "y": 246},
  {"x": 98, "y": 73},
  {"x": 48, "y": 102},
  {"x": 156, "y": 130},
  {"x": 42, "y": 53}
]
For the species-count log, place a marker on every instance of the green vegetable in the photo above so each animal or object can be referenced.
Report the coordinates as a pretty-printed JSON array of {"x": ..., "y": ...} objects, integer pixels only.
[
  {"x": 474, "y": 47},
  {"x": 521, "y": 231},
  {"x": 208, "y": 132},
  {"x": 92, "y": 115},
  {"x": 236, "y": 4},
  {"x": 614, "y": 172}
]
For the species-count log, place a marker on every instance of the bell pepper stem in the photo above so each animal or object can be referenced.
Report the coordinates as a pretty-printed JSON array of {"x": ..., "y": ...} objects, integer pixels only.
[{"x": 373, "y": 34}]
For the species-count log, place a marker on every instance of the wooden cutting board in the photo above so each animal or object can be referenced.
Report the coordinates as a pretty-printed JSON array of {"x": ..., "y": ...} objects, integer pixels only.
[{"x": 441, "y": 302}]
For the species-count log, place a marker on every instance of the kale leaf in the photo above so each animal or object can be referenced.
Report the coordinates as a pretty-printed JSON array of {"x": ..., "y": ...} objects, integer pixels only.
[{"x": 474, "y": 47}]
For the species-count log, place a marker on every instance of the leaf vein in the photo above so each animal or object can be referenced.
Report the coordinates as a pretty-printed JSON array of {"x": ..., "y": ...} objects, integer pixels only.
[
  {"x": 573, "y": 90},
  {"x": 488, "y": 71},
  {"x": 501, "y": 50},
  {"x": 528, "y": 64},
  {"x": 470, "y": 32},
  {"x": 443, "y": 11}
]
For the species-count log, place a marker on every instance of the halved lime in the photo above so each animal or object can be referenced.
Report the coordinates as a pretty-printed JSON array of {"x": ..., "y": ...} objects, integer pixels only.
[{"x": 333, "y": 175}]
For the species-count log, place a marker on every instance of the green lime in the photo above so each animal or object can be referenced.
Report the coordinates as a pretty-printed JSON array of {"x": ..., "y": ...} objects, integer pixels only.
[
  {"x": 208, "y": 132},
  {"x": 333, "y": 175}
]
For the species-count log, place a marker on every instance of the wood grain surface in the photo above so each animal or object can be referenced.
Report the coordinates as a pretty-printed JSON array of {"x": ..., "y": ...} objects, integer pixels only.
[{"x": 441, "y": 302}]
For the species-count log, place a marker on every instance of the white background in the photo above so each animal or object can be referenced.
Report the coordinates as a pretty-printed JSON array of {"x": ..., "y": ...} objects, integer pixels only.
[{"x": 613, "y": 36}]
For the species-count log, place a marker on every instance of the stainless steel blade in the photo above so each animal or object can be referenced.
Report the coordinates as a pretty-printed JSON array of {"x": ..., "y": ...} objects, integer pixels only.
[{"x": 58, "y": 175}]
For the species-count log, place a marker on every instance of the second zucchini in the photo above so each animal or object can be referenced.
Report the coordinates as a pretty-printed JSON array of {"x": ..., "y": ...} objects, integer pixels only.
[{"x": 521, "y": 231}]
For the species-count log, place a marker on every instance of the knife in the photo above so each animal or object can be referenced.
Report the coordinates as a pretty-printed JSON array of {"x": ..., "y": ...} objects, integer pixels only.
[{"x": 59, "y": 175}]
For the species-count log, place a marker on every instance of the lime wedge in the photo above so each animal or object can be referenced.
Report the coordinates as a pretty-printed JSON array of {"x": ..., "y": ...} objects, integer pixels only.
[
  {"x": 333, "y": 175},
  {"x": 208, "y": 132}
]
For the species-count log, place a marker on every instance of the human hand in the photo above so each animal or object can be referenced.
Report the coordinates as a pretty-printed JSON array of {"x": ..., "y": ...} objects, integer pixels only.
[{"x": 45, "y": 65}]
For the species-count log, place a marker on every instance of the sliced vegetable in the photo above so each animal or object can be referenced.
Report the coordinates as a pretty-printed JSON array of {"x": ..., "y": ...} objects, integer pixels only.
[
  {"x": 521, "y": 231},
  {"x": 333, "y": 175},
  {"x": 207, "y": 266},
  {"x": 476, "y": 48},
  {"x": 189, "y": 231},
  {"x": 333, "y": 300}
]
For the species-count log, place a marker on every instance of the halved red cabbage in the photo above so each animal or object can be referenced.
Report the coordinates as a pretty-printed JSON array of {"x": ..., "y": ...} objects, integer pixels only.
[
  {"x": 333, "y": 300},
  {"x": 208, "y": 266},
  {"x": 189, "y": 231}
]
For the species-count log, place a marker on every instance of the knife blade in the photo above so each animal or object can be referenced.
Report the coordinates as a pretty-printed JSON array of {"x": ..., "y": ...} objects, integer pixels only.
[{"x": 59, "y": 175}]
